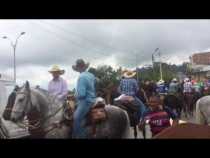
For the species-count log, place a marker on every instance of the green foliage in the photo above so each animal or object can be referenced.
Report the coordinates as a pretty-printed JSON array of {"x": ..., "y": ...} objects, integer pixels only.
[
  {"x": 169, "y": 71},
  {"x": 106, "y": 76}
]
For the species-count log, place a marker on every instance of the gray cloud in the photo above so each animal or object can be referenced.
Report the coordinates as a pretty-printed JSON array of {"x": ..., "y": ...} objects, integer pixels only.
[{"x": 131, "y": 42}]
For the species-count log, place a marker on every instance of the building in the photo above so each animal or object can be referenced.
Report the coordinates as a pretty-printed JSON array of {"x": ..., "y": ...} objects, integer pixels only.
[
  {"x": 200, "y": 65},
  {"x": 200, "y": 58}
]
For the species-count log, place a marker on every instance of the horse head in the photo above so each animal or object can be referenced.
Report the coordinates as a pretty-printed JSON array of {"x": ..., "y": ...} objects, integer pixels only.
[{"x": 22, "y": 103}]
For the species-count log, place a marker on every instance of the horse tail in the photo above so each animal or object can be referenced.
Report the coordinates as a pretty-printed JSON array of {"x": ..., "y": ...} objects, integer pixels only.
[{"x": 198, "y": 116}]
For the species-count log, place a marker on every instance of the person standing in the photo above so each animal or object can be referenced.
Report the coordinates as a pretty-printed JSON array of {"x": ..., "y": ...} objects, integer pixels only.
[
  {"x": 58, "y": 86},
  {"x": 85, "y": 96}
]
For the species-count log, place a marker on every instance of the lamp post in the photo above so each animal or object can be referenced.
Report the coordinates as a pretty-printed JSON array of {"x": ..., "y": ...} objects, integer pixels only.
[
  {"x": 157, "y": 49},
  {"x": 14, "y": 45}
]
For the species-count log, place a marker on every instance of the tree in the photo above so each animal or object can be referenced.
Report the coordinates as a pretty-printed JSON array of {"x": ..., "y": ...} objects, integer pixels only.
[{"x": 107, "y": 79}]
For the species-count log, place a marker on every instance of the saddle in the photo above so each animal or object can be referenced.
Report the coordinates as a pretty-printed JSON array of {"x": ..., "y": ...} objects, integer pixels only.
[
  {"x": 97, "y": 112},
  {"x": 127, "y": 103}
]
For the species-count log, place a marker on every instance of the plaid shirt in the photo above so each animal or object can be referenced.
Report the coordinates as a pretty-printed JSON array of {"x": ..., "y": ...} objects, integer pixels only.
[
  {"x": 128, "y": 87},
  {"x": 187, "y": 87}
]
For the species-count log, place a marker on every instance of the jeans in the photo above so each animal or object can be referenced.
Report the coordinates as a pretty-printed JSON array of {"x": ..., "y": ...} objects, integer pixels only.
[
  {"x": 83, "y": 107},
  {"x": 142, "y": 107}
]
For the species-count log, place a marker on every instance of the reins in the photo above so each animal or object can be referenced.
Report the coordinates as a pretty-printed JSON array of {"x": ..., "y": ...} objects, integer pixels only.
[{"x": 38, "y": 124}]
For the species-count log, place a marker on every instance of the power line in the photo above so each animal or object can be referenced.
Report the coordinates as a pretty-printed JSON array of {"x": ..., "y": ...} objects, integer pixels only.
[
  {"x": 80, "y": 45},
  {"x": 84, "y": 37},
  {"x": 70, "y": 40},
  {"x": 87, "y": 39},
  {"x": 59, "y": 36}
]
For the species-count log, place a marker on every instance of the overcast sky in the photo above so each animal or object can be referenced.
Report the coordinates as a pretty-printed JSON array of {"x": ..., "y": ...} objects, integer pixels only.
[{"x": 124, "y": 43}]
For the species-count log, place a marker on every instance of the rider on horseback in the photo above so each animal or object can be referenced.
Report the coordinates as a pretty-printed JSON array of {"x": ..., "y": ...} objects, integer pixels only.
[
  {"x": 85, "y": 95},
  {"x": 58, "y": 86},
  {"x": 162, "y": 89},
  {"x": 173, "y": 87},
  {"x": 129, "y": 87}
]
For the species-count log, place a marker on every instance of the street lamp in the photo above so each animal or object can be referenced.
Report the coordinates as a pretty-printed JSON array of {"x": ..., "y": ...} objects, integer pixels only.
[
  {"x": 14, "y": 45},
  {"x": 157, "y": 49}
]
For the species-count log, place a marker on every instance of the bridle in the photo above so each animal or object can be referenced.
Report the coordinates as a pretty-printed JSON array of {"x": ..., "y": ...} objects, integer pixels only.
[{"x": 39, "y": 121}]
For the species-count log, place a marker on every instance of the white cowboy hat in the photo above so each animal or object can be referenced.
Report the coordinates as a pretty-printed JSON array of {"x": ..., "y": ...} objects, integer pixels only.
[
  {"x": 174, "y": 80},
  {"x": 80, "y": 63},
  {"x": 186, "y": 80},
  {"x": 56, "y": 68},
  {"x": 161, "y": 82},
  {"x": 129, "y": 74}
]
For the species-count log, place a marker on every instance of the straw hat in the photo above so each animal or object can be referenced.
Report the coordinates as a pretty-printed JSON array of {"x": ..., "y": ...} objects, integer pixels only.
[
  {"x": 161, "y": 82},
  {"x": 80, "y": 64},
  {"x": 186, "y": 80},
  {"x": 56, "y": 68},
  {"x": 174, "y": 80},
  {"x": 129, "y": 74}
]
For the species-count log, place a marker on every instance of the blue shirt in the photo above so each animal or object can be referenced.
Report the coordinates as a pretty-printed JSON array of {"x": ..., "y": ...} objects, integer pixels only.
[
  {"x": 162, "y": 88},
  {"x": 86, "y": 87},
  {"x": 129, "y": 87}
]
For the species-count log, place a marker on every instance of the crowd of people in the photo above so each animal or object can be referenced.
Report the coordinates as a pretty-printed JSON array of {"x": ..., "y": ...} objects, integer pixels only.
[{"x": 148, "y": 96}]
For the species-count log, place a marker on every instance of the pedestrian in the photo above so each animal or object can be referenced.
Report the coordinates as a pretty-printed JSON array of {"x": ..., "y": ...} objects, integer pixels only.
[{"x": 157, "y": 116}]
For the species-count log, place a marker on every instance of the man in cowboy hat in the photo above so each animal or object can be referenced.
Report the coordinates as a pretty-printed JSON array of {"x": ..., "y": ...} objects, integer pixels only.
[
  {"x": 85, "y": 95},
  {"x": 58, "y": 86},
  {"x": 129, "y": 86},
  {"x": 161, "y": 87},
  {"x": 173, "y": 87}
]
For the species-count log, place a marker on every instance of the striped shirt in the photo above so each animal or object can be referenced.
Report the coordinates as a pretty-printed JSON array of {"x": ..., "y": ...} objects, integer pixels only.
[{"x": 128, "y": 87}]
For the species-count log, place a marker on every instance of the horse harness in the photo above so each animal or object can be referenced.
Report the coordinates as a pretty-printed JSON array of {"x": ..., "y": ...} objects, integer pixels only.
[{"x": 34, "y": 125}]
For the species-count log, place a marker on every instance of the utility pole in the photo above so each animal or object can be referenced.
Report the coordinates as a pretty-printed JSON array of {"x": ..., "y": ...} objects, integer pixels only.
[
  {"x": 137, "y": 74},
  {"x": 161, "y": 73}
]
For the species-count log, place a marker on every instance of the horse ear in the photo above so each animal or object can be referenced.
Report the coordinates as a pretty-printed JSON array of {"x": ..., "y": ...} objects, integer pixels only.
[{"x": 27, "y": 86}]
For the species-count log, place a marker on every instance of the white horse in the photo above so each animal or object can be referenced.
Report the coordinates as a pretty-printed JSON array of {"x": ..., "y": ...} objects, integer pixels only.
[
  {"x": 203, "y": 111},
  {"x": 44, "y": 110}
]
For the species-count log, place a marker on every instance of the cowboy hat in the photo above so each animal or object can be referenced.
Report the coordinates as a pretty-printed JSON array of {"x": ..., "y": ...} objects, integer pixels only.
[
  {"x": 129, "y": 74},
  {"x": 56, "y": 68},
  {"x": 174, "y": 80},
  {"x": 161, "y": 82},
  {"x": 186, "y": 80},
  {"x": 80, "y": 63}
]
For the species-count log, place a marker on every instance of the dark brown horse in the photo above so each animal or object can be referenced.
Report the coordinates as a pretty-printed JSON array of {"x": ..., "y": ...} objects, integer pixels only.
[{"x": 174, "y": 102}]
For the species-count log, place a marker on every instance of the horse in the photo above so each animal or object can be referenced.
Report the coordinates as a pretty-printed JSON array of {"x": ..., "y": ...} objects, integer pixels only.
[
  {"x": 112, "y": 122},
  {"x": 132, "y": 110},
  {"x": 174, "y": 102},
  {"x": 10, "y": 102},
  {"x": 45, "y": 113},
  {"x": 203, "y": 111},
  {"x": 48, "y": 112}
]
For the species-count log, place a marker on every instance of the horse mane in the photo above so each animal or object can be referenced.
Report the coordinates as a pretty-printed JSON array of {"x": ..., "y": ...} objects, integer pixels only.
[{"x": 43, "y": 91}]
